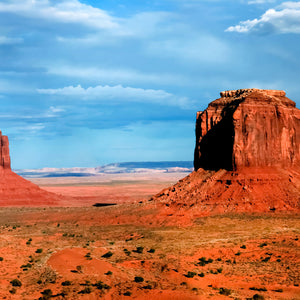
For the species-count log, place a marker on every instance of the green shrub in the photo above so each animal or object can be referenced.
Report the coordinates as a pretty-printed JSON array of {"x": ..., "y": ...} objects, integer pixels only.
[
  {"x": 243, "y": 247},
  {"x": 107, "y": 254},
  {"x": 16, "y": 282},
  {"x": 101, "y": 286},
  {"x": 1, "y": 258},
  {"x": 224, "y": 291},
  {"x": 139, "y": 249},
  {"x": 127, "y": 293},
  {"x": 263, "y": 289},
  {"x": 40, "y": 250},
  {"x": 201, "y": 274},
  {"x": 127, "y": 252},
  {"x": 151, "y": 250},
  {"x": 258, "y": 297},
  {"x": 190, "y": 274},
  {"x": 138, "y": 279},
  {"x": 66, "y": 283},
  {"x": 203, "y": 261},
  {"x": 108, "y": 273},
  {"x": 86, "y": 290},
  {"x": 147, "y": 287},
  {"x": 88, "y": 256}
]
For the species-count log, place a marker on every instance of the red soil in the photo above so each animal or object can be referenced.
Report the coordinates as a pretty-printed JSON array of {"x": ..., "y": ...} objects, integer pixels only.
[{"x": 17, "y": 191}]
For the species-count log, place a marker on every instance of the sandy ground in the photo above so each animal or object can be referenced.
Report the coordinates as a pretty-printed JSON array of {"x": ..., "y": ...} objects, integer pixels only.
[
  {"x": 122, "y": 252},
  {"x": 109, "y": 188}
]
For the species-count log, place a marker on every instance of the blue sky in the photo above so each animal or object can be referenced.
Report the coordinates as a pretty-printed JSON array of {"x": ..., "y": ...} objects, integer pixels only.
[{"x": 84, "y": 83}]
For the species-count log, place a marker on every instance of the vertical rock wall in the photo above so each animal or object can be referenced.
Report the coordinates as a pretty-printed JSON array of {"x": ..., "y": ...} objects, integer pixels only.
[
  {"x": 248, "y": 128},
  {"x": 4, "y": 152}
]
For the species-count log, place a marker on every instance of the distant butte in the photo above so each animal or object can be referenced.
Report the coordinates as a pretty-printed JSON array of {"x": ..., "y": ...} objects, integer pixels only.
[
  {"x": 247, "y": 156},
  {"x": 17, "y": 191}
]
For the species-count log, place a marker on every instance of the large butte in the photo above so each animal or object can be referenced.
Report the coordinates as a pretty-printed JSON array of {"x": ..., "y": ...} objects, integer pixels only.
[{"x": 247, "y": 156}]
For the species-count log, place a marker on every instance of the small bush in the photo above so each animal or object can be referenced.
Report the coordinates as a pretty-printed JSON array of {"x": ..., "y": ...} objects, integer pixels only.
[
  {"x": 66, "y": 283},
  {"x": 47, "y": 292},
  {"x": 86, "y": 290},
  {"x": 201, "y": 274},
  {"x": 190, "y": 274},
  {"x": 258, "y": 297},
  {"x": 88, "y": 256},
  {"x": 39, "y": 250},
  {"x": 108, "y": 273},
  {"x": 224, "y": 291},
  {"x": 266, "y": 259},
  {"x": 139, "y": 249},
  {"x": 1, "y": 258},
  {"x": 107, "y": 254},
  {"x": 147, "y": 287},
  {"x": 238, "y": 253},
  {"x": 219, "y": 270},
  {"x": 26, "y": 266},
  {"x": 263, "y": 289},
  {"x": 203, "y": 261},
  {"x": 151, "y": 250},
  {"x": 13, "y": 290},
  {"x": 101, "y": 286},
  {"x": 127, "y": 252},
  {"x": 243, "y": 247},
  {"x": 16, "y": 282},
  {"x": 138, "y": 279},
  {"x": 263, "y": 245},
  {"x": 127, "y": 293},
  {"x": 278, "y": 290}
]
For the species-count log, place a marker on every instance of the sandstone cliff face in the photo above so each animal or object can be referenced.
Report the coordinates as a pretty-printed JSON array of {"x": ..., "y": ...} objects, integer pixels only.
[
  {"x": 4, "y": 152},
  {"x": 17, "y": 191},
  {"x": 248, "y": 128},
  {"x": 247, "y": 157}
]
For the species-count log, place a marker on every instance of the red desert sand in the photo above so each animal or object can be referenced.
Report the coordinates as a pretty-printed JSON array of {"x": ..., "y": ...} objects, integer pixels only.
[{"x": 229, "y": 230}]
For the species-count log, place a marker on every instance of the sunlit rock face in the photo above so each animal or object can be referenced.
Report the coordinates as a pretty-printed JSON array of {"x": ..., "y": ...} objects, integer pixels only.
[
  {"x": 247, "y": 157},
  {"x": 248, "y": 128},
  {"x": 17, "y": 191},
  {"x": 4, "y": 152}
]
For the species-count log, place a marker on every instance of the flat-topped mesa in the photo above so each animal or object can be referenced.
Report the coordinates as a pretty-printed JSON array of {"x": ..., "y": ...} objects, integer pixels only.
[
  {"x": 4, "y": 152},
  {"x": 248, "y": 128}
]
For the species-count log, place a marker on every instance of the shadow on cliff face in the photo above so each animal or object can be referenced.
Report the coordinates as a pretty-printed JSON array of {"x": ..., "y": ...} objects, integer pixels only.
[{"x": 216, "y": 146}]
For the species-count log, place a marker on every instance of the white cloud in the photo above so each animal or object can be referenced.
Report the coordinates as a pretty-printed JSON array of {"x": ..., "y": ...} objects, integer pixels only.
[
  {"x": 285, "y": 18},
  {"x": 119, "y": 93},
  {"x": 66, "y": 11},
  {"x": 116, "y": 75},
  {"x": 4, "y": 40}
]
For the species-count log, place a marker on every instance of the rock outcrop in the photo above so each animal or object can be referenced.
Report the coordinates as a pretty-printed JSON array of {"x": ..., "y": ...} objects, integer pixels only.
[
  {"x": 17, "y": 191},
  {"x": 4, "y": 152},
  {"x": 248, "y": 128},
  {"x": 247, "y": 156}
]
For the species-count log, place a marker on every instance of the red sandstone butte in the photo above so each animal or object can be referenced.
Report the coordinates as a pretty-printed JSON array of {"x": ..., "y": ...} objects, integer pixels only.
[
  {"x": 17, "y": 191},
  {"x": 247, "y": 156}
]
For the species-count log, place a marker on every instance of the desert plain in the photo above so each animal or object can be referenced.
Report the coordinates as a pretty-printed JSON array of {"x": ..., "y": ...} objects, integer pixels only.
[{"x": 136, "y": 250}]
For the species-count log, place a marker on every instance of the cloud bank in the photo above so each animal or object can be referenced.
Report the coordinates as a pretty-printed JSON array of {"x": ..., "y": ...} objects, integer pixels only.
[{"x": 285, "y": 18}]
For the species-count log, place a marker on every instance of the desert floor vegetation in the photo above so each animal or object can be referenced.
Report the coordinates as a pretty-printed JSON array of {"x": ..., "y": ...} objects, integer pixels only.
[{"x": 233, "y": 256}]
